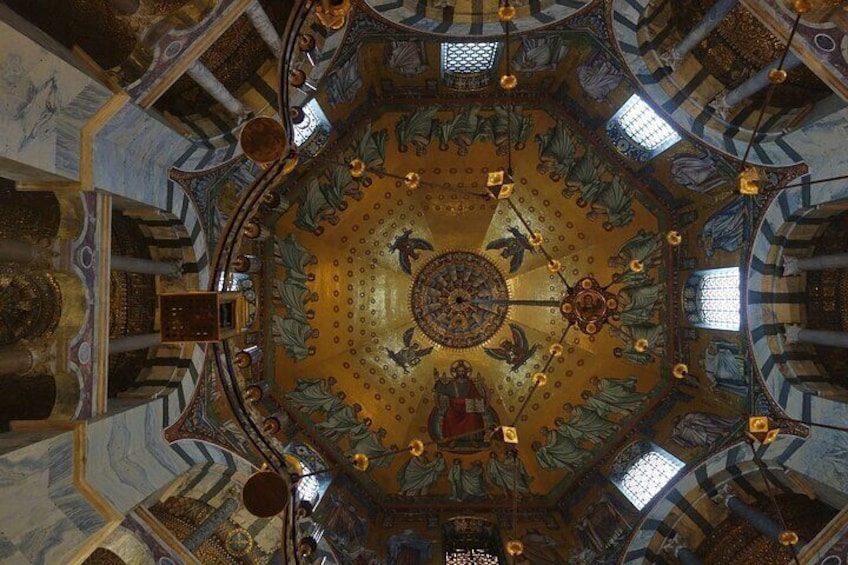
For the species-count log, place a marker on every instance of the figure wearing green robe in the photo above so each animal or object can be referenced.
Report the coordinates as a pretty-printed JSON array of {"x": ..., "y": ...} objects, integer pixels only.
[
  {"x": 620, "y": 392},
  {"x": 584, "y": 425},
  {"x": 341, "y": 421},
  {"x": 293, "y": 257},
  {"x": 418, "y": 474},
  {"x": 363, "y": 440},
  {"x": 644, "y": 246},
  {"x": 638, "y": 303},
  {"x": 509, "y": 475},
  {"x": 292, "y": 335},
  {"x": 313, "y": 395},
  {"x": 294, "y": 295},
  {"x": 466, "y": 483},
  {"x": 560, "y": 452}
]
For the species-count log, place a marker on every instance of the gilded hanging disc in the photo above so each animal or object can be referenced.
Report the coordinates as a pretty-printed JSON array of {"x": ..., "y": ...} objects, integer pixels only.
[
  {"x": 264, "y": 140},
  {"x": 266, "y": 494}
]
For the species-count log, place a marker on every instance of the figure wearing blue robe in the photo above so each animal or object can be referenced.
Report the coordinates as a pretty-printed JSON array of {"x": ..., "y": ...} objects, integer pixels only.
[
  {"x": 725, "y": 368},
  {"x": 725, "y": 229}
]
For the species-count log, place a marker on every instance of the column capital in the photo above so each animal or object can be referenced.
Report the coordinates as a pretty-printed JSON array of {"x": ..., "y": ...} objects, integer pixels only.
[
  {"x": 792, "y": 334},
  {"x": 791, "y": 266},
  {"x": 723, "y": 495},
  {"x": 719, "y": 104},
  {"x": 671, "y": 59}
]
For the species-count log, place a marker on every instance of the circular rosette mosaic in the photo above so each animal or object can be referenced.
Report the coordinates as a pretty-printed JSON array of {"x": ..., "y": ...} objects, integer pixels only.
[{"x": 454, "y": 299}]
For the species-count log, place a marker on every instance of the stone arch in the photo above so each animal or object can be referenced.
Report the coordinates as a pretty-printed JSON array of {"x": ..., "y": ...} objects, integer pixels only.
[
  {"x": 684, "y": 96},
  {"x": 686, "y": 507},
  {"x": 791, "y": 375}
]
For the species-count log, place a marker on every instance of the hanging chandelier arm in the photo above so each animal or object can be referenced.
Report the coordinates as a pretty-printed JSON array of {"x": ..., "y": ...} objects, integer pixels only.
[
  {"x": 511, "y": 302},
  {"x": 769, "y": 93},
  {"x": 536, "y": 384},
  {"x": 541, "y": 248},
  {"x": 803, "y": 183},
  {"x": 770, "y": 492}
]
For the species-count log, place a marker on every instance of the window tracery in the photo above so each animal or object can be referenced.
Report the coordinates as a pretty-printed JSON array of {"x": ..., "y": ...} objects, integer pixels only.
[
  {"x": 639, "y": 132},
  {"x": 642, "y": 470},
  {"x": 711, "y": 299}
]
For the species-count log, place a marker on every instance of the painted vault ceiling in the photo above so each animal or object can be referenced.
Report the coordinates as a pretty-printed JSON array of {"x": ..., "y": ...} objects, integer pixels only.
[{"x": 369, "y": 358}]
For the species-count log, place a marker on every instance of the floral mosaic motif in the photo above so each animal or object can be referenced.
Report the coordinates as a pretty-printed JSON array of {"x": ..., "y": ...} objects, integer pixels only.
[
  {"x": 539, "y": 54},
  {"x": 410, "y": 354},
  {"x": 512, "y": 248},
  {"x": 514, "y": 352},
  {"x": 406, "y": 57}
]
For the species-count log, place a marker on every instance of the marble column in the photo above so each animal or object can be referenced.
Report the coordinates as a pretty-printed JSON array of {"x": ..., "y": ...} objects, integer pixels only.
[
  {"x": 797, "y": 334},
  {"x": 207, "y": 528},
  {"x": 128, "y": 7},
  {"x": 16, "y": 251},
  {"x": 725, "y": 100},
  {"x": 714, "y": 16},
  {"x": 676, "y": 547},
  {"x": 134, "y": 342},
  {"x": 204, "y": 77},
  {"x": 15, "y": 360},
  {"x": 259, "y": 19},
  {"x": 761, "y": 522},
  {"x": 145, "y": 266},
  {"x": 794, "y": 265}
]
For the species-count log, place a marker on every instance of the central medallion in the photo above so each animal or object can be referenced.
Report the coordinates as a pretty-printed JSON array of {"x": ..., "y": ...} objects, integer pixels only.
[{"x": 452, "y": 299}]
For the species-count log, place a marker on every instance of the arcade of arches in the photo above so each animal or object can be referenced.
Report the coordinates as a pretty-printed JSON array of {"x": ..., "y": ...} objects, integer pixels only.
[{"x": 474, "y": 321}]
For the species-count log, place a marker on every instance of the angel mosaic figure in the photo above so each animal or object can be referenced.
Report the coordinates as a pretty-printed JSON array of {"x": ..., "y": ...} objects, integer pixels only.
[
  {"x": 512, "y": 248},
  {"x": 514, "y": 353},
  {"x": 410, "y": 354},
  {"x": 408, "y": 249}
]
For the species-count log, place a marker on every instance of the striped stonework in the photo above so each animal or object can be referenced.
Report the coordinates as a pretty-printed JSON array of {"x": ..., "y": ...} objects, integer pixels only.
[
  {"x": 687, "y": 508},
  {"x": 790, "y": 373},
  {"x": 639, "y": 28}
]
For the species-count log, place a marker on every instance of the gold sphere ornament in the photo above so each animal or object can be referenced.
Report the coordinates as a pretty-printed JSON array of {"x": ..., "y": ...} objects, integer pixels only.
[
  {"x": 554, "y": 266},
  {"x": 750, "y": 180},
  {"x": 788, "y": 537},
  {"x": 592, "y": 328},
  {"x": 509, "y": 81},
  {"x": 680, "y": 371},
  {"x": 540, "y": 379},
  {"x": 612, "y": 303},
  {"x": 641, "y": 345},
  {"x": 360, "y": 461},
  {"x": 556, "y": 350},
  {"x": 412, "y": 180},
  {"x": 306, "y": 546},
  {"x": 357, "y": 168},
  {"x": 802, "y": 6},
  {"x": 536, "y": 239},
  {"x": 567, "y": 308},
  {"x": 514, "y": 547},
  {"x": 777, "y": 76},
  {"x": 674, "y": 238},
  {"x": 506, "y": 13},
  {"x": 416, "y": 447},
  {"x": 637, "y": 266}
]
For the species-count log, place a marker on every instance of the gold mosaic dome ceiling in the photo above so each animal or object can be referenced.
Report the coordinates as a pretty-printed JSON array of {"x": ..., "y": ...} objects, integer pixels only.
[{"x": 404, "y": 314}]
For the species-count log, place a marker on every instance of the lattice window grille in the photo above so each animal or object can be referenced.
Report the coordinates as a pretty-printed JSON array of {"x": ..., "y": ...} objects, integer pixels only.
[
  {"x": 314, "y": 117},
  {"x": 308, "y": 488},
  {"x": 467, "y": 58},
  {"x": 718, "y": 299},
  {"x": 471, "y": 557},
  {"x": 647, "y": 476},
  {"x": 644, "y": 126}
]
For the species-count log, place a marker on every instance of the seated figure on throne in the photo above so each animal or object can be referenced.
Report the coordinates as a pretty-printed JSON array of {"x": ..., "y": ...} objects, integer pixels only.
[{"x": 462, "y": 409}]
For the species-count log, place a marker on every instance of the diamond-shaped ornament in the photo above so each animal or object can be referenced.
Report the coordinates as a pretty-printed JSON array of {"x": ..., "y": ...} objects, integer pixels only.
[
  {"x": 510, "y": 434},
  {"x": 500, "y": 185}
]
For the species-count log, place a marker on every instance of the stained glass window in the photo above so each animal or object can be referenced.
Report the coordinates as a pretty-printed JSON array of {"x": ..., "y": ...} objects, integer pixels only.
[
  {"x": 718, "y": 299},
  {"x": 314, "y": 117},
  {"x": 639, "y": 132},
  {"x": 465, "y": 58},
  {"x": 647, "y": 476},
  {"x": 471, "y": 557},
  {"x": 308, "y": 487}
]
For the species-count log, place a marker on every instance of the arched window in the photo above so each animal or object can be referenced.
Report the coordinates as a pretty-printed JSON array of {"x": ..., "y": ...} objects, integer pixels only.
[
  {"x": 711, "y": 299},
  {"x": 468, "y": 66},
  {"x": 469, "y": 540},
  {"x": 313, "y": 118},
  {"x": 639, "y": 132},
  {"x": 641, "y": 470},
  {"x": 307, "y": 461}
]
